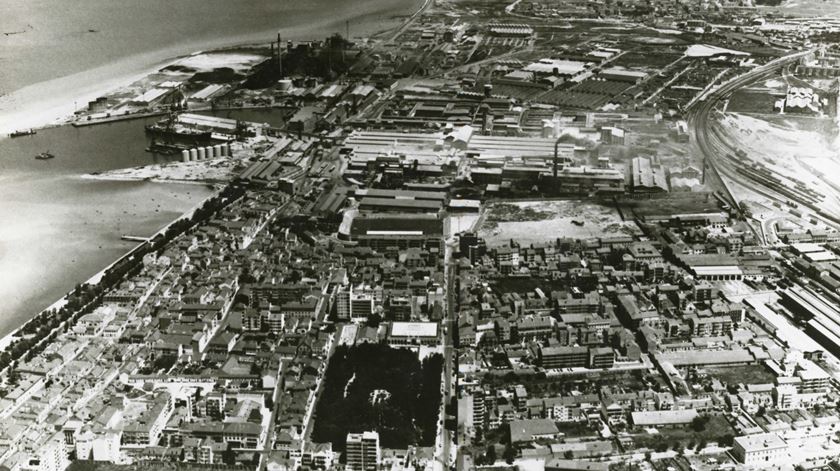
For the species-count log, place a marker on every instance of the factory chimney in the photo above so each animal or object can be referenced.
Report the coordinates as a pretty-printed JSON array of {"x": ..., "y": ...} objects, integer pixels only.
[{"x": 279, "y": 55}]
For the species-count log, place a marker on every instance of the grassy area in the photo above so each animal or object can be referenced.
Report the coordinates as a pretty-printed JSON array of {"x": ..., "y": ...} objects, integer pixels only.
[
  {"x": 751, "y": 102},
  {"x": 676, "y": 203},
  {"x": 746, "y": 374},
  {"x": 575, "y": 429},
  {"x": 717, "y": 429},
  {"x": 523, "y": 284}
]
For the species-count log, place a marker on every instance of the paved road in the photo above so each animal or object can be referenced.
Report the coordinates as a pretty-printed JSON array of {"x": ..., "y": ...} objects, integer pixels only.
[{"x": 451, "y": 324}]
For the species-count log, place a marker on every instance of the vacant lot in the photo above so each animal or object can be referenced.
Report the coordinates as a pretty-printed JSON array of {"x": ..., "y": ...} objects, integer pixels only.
[
  {"x": 746, "y": 374},
  {"x": 531, "y": 222},
  {"x": 752, "y": 102},
  {"x": 717, "y": 430}
]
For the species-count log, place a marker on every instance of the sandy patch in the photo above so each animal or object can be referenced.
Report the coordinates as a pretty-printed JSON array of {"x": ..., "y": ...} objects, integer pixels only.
[
  {"x": 704, "y": 50},
  {"x": 543, "y": 221},
  {"x": 205, "y": 62}
]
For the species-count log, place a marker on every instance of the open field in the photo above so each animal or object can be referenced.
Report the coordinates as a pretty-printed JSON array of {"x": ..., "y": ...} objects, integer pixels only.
[
  {"x": 717, "y": 429},
  {"x": 540, "y": 221},
  {"x": 751, "y": 102},
  {"x": 677, "y": 203},
  {"x": 746, "y": 374}
]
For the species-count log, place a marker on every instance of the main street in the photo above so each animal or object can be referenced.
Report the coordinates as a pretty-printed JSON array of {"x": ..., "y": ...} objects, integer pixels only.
[{"x": 450, "y": 326}]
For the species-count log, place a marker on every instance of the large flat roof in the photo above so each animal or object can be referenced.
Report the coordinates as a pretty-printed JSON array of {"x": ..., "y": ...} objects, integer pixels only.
[
  {"x": 414, "y": 329},
  {"x": 401, "y": 194},
  {"x": 400, "y": 203},
  {"x": 760, "y": 441},
  {"x": 664, "y": 417},
  {"x": 707, "y": 357},
  {"x": 717, "y": 270},
  {"x": 563, "y": 67}
]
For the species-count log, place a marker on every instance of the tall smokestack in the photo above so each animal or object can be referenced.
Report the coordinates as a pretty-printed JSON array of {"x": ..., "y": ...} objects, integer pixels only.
[{"x": 279, "y": 55}]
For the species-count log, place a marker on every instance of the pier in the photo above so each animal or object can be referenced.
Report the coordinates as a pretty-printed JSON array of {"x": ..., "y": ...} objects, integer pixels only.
[{"x": 134, "y": 238}]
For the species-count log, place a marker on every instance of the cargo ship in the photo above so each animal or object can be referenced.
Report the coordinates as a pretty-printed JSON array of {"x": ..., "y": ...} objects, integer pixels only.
[
  {"x": 169, "y": 131},
  {"x": 165, "y": 148},
  {"x": 26, "y": 132}
]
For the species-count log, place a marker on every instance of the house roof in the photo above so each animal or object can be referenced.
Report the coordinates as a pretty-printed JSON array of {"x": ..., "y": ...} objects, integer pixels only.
[
  {"x": 526, "y": 430},
  {"x": 663, "y": 417}
]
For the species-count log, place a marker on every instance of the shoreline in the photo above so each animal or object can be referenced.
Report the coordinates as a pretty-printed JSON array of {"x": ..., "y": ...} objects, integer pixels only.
[
  {"x": 57, "y": 111},
  {"x": 7, "y": 339},
  {"x": 72, "y": 92}
]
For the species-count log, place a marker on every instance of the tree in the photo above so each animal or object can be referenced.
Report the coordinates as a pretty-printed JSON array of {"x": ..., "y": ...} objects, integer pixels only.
[
  {"x": 510, "y": 453},
  {"x": 373, "y": 320},
  {"x": 490, "y": 456},
  {"x": 698, "y": 424}
]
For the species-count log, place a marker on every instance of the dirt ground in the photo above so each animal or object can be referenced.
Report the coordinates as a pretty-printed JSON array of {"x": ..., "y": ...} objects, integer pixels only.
[{"x": 542, "y": 221}]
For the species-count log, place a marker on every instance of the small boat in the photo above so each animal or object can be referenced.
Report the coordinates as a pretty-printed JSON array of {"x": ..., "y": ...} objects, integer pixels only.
[
  {"x": 45, "y": 156},
  {"x": 25, "y": 132}
]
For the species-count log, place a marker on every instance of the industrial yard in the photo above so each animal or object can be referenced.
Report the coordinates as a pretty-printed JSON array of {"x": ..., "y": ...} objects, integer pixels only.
[{"x": 534, "y": 222}]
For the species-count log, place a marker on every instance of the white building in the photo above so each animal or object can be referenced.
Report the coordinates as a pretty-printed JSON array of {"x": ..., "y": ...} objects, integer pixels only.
[
  {"x": 363, "y": 452},
  {"x": 409, "y": 334},
  {"x": 760, "y": 450},
  {"x": 787, "y": 397}
]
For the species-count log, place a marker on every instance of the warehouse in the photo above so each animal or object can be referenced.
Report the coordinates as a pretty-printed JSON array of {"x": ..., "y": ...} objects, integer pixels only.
[
  {"x": 556, "y": 67},
  {"x": 824, "y": 323},
  {"x": 647, "y": 177},
  {"x": 400, "y": 194},
  {"x": 398, "y": 230},
  {"x": 621, "y": 74},
  {"x": 399, "y": 205}
]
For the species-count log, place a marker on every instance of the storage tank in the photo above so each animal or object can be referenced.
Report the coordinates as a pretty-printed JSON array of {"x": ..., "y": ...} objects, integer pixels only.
[
  {"x": 217, "y": 150},
  {"x": 193, "y": 155},
  {"x": 225, "y": 149},
  {"x": 202, "y": 154},
  {"x": 185, "y": 155},
  {"x": 208, "y": 151}
]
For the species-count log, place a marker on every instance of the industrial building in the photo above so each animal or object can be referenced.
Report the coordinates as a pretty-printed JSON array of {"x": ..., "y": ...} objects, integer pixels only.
[
  {"x": 397, "y": 230},
  {"x": 647, "y": 176},
  {"x": 823, "y": 319}
]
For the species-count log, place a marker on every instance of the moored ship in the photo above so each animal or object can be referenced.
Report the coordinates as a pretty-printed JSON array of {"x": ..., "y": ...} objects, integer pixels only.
[{"x": 25, "y": 132}]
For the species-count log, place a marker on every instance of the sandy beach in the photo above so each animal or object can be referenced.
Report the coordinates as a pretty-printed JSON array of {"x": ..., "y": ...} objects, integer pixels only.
[
  {"x": 52, "y": 101},
  {"x": 203, "y": 172}
]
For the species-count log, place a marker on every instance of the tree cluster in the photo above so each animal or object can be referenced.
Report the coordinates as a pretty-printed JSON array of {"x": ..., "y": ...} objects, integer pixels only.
[{"x": 409, "y": 416}]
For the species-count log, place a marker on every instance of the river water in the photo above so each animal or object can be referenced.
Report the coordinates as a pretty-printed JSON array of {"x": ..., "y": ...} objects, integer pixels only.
[
  {"x": 42, "y": 40},
  {"x": 58, "y": 229}
]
